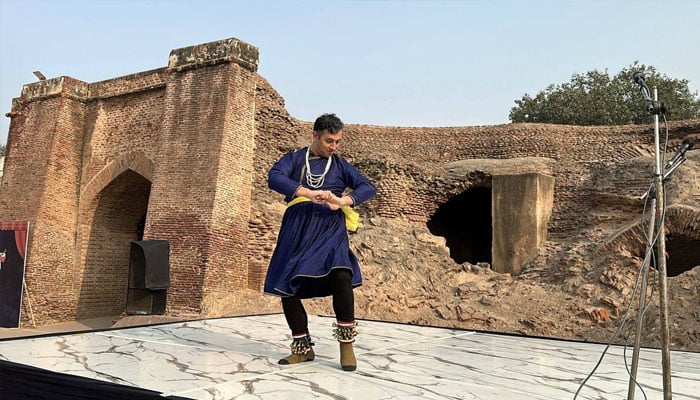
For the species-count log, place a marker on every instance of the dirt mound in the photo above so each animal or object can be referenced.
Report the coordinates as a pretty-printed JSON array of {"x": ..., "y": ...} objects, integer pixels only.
[{"x": 409, "y": 277}]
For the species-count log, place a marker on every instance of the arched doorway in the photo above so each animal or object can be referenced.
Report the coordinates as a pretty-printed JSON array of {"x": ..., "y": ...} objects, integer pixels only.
[
  {"x": 465, "y": 222},
  {"x": 683, "y": 253},
  {"x": 118, "y": 213},
  {"x": 682, "y": 241}
]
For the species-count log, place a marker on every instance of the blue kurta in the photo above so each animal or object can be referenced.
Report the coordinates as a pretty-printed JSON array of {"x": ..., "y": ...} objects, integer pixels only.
[{"x": 313, "y": 239}]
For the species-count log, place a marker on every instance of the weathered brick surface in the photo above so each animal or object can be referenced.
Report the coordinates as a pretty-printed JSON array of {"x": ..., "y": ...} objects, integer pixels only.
[
  {"x": 191, "y": 144},
  {"x": 200, "y": 199},
  {"x": 42, "y": 180},
  {"x": 408, "y": 167},
  {"x": 87, "y": 161}
]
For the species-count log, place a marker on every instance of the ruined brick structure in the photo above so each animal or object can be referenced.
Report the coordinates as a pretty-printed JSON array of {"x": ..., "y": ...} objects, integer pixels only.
[{"x": 189, "y": 146}]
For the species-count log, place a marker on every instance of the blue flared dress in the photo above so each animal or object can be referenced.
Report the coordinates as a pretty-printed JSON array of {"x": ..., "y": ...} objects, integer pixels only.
[{"x": 313, "y": 239}]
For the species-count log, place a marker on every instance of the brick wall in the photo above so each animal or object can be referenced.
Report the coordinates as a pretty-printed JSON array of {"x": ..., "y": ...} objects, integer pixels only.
[
  {"x": 40, "y": 185},
  {"x": 408, "y": 167},
  {"x": 200, "y": 198},
  {"x": 176, "y": 142},
  {"x": 122, "y": 132},
  {"x": 407, "y": 163},
  {"x": 228, "y": 268}
]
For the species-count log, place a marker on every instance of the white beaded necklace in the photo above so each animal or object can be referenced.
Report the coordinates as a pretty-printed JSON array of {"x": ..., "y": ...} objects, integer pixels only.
[{"x": 316, "y": 180}]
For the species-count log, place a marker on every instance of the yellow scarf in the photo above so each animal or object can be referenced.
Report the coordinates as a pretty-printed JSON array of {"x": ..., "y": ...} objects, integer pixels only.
[{"x": 352, "y": 217}]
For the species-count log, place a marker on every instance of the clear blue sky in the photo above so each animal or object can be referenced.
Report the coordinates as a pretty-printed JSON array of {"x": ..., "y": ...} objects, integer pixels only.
[{"x": 403, "y": 63}]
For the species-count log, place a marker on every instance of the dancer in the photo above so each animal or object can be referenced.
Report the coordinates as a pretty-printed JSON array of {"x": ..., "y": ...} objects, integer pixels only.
[{"x": 312, "y": 257}]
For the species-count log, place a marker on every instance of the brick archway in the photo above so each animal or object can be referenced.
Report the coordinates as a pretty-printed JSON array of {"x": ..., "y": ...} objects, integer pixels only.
[
  {"x": 682, "y": 239},
  {"x": 135, "y": 161},
  {"x": 682, "y": 226},
  {"x": 113, "y": 205}
]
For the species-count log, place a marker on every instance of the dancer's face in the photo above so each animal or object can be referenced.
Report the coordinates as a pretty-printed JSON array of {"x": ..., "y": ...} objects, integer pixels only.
[{"x": 324, "y": 143}]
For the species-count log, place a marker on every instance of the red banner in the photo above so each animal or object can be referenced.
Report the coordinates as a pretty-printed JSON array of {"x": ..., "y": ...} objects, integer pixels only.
[{"x": 13, "y": 248}]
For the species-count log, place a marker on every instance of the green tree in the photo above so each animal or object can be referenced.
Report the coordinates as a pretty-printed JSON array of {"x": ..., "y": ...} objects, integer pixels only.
[
  {"x": 2, "y": 150},
  {"x": 596, "y": 98}
]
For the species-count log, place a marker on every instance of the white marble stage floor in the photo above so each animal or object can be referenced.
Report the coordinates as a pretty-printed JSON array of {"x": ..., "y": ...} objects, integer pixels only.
[{"x": 236, "y": 358}]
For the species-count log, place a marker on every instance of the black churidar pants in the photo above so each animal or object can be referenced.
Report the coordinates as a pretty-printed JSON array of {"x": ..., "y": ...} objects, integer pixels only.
[{"x": 340, "y": 281}]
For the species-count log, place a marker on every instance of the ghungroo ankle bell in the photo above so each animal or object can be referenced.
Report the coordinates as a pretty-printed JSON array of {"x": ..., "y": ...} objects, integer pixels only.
[
  {"x": 345, "y": 332},
  {"x": 301, "y": 345}
]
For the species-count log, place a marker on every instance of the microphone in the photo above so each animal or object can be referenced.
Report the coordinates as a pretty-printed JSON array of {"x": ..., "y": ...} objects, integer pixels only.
[
  {"x": 638, "y": 78},
  {"x": 685, "y": 146}
]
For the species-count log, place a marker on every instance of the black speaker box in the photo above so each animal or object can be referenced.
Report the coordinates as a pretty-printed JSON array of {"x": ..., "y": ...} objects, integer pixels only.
[{"x": 149, "y": 277}]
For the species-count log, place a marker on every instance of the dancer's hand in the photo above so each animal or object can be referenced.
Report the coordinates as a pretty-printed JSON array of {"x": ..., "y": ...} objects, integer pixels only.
[
  {"x": 320, "y": 196},
  {"x": 335, "y": 202}
]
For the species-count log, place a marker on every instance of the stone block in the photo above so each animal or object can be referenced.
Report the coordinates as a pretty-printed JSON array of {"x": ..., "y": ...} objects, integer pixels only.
[{"x": 521, "y": 207}]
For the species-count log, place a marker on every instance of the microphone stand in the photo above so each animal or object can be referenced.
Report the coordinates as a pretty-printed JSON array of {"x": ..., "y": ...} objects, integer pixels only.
[{"x": 658, "y": 207}]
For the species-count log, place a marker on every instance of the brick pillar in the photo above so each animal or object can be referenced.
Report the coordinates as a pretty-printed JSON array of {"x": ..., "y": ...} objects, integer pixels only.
[
  {"x": 201, "y": 191},
  {"x": 41, "y": 185}
]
